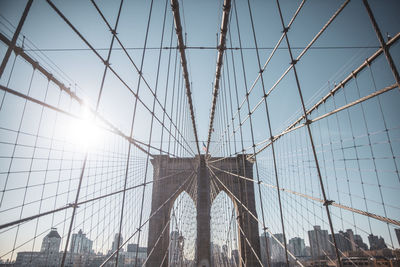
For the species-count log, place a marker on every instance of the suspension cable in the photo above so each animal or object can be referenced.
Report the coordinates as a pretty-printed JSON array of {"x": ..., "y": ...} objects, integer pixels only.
[{"x": 181, "y": 46}]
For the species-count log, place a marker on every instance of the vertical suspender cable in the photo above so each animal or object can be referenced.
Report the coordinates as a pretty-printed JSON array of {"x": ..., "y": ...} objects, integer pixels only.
[{"x": 327, "y": 202}]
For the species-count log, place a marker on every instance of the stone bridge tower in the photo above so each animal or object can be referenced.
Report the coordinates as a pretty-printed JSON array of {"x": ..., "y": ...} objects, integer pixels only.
[{"x": 170, "y": 174}]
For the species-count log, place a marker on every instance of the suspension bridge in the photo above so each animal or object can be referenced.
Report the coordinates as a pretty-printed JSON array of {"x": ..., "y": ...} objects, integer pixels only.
[{"x": 199, "y": 133}]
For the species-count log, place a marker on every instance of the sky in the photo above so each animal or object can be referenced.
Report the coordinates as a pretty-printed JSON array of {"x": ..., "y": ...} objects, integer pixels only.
[
  {"x": 349, "y": 30},
  {"x": 346, "y": 43}
]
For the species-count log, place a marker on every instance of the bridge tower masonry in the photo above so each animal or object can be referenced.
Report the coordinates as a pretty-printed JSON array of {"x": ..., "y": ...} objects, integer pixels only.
[{"x": 170, "y": 174}]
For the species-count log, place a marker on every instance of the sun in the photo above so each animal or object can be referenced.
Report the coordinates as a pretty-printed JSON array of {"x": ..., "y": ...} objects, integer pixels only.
[{"x": 83, "y": 131}]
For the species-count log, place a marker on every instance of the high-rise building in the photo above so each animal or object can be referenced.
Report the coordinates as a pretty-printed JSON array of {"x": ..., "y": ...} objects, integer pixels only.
[
  {"x": 277, "y": 251},
  {"x": 319, "y": 242},
  {"x": 51, "y": 242},
  {"x": 350, "y": 238},
  {"x": 132, "y": 247},
  {"x": 297, "y": 246},
  {"x": 173, "y": 245},
  {"x": 80, "y": 243},
  {"x": 376, "y": 242},
  {"x": 235, "y": 258},
  {"x": 49, "y": 252},
  {"x": 114, "y": 245},
  {"x": 344, "y": 240},
  {"x": 225, "y": 255},
  {"x": 397, "y": 231},
  {"x": 135, "y": 255},
  {"x": 264, "y": 242},
  {"x": 307, "y": 251},
  {"x": 176, "y": 248},
  {"x": 216, "y": 259},
  {"x": 360, "y": 245}
]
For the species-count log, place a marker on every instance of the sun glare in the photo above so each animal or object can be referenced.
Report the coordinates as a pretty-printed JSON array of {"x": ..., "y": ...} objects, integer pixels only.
[{"x": 84, "y": 132}]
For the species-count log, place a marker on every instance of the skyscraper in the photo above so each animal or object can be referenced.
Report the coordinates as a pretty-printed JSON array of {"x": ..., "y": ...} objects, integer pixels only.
[
  {"x": 360, "y": 245},
  {"x": 51, "y": 242},
  {"x": 350, "y": 238},
  {"x": 176, "y": 248},
  {"x": 225, "y": 255},
  {"x": 235, "y": 261},
  {"x": 277, "y": 251},
  {"x": 264, "y": 242},
  {"x": 80, "y": 243},
  {"x": 297, "y": 246},
  {"x": 50, "y": 249},
  {"x": 132, "y": 247},
  {"x": 319, "y": 242},
  {"x": 344, "y": 240},
  {"x": 376, "y": 242},
  {"x": 114, "y": 245},
  {"x": 397, "y": 231},
  {"x": 49, "y": 252},
  {"x": 135, "y": 254}
]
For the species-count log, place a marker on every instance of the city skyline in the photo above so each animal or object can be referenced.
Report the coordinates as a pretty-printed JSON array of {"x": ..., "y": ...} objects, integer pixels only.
[{"x": 81, "y": 245}]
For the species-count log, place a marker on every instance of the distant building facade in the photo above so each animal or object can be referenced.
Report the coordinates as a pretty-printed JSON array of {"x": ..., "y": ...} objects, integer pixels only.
[
  {"x": 51, "y": 242},
  {"x": 225, "y": 255},
  {"x": 176, "y": 248},
  {"x": 80, "y": 243},
  {"x": 319, "y": 242},
  {"x": 48, "y": 256},
  {"x": 397, "y": 231},
  {"x": 114, "y": 245},
  {"x": 277, "y": 251},
  {"x": 297, "y": 247},
  {"x": 135, "y": 255},
  {"x": 216, "y": 259},
  {"x": 360, "y": 245},
  {"x": 344, "y": 240},
  {"x": 376, "y": 242},
  {"x": 265, "y": 248},
  {"x": 235, "y": 261}
]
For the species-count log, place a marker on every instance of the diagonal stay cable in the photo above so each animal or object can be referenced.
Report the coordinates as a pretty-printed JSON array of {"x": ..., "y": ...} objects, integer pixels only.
[
  {"x": 251, "y": 247},
  {"x": 304, "y": 50},
  {"x": 140, "y": 73},
  {"x": 99, "y": 95},
  {"x": 66, "y": 89},
  {"x": 9, "y": 224},
  {"x": 286, "y": 29},
  {"x": 241, "y": 230},
  {"x": 362, "y": 212},
  {"x": 353, "y": 103},
  {"x": 191, "y": 176},
  {"x": 295, "y": 60},
  {"x": 276, "y": 47},
  {"x": 358, "y": 101},
  {"x": 112, "y": 129},
  {"x": 341, "y": 84},
  {"x": 107, "y": 63},
  {"x": 153, "y": 92},
  {"x": 192, "y": 187},
  {"x": 252, "y": 215},
  {"x": 62, "y": 87},
  {"x": 331, "y": 93}
]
